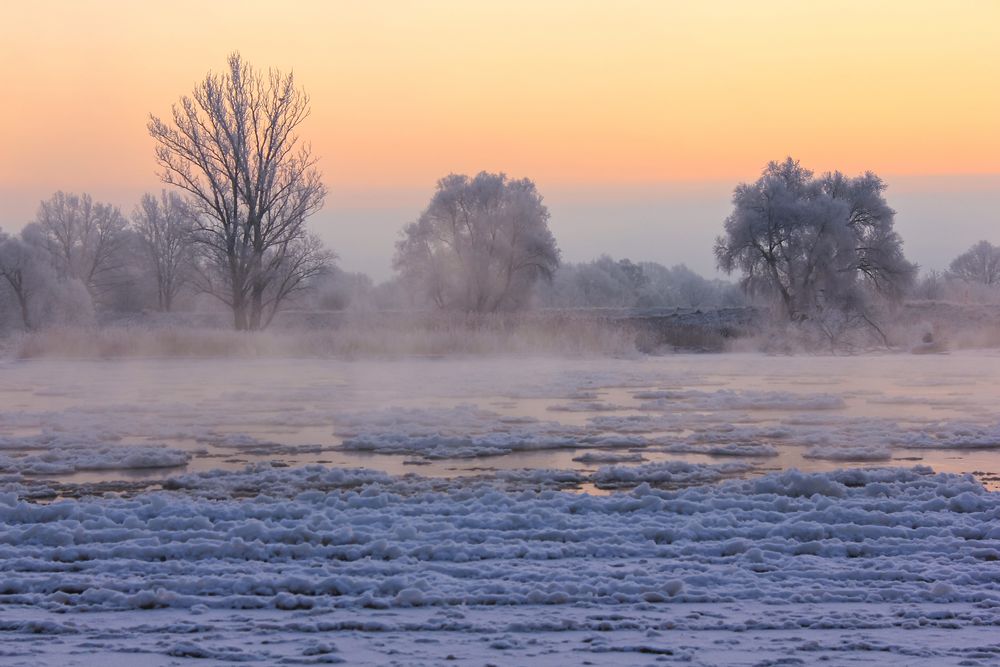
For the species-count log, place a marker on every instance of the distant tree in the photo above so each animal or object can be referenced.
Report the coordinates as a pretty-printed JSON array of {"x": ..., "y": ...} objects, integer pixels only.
[
  {"x": 41, "y": 296},
  {"x": 480, "y": 245},
  {"x": 396, "y": 294},
  {"x": 633, "y": 273},
  {"x": 606, "y": 283},
  {"x": 931, "y": 286},
  {"x": 165, "y": 228},
  {"x": 341, "y": 290},
  {"x": 17, "y": 261},
  {"x": 293, "y": 269},
  {"x": 232, "y": 147},
  {"x": 816, "y": 244},
  {"x": 82, "y": 239},
  {"x": 978, "y": 264},
  {"x": 679, "y": 286},
  {"x": 601, "y": 283},
  {"x": 691, "y": 289}
]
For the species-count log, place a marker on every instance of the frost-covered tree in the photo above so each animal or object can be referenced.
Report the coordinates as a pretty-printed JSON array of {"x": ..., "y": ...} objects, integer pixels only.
[
  {"x": 165, "y": 226},
  {"x": 601, "y": 283},
  {"x": 679, "y": 286},
  {"x": 233, "y": 147},
  {"x": 932, "y": 286},
  {"x": 607, "y": 283},
  {"x": 634, "y": 274},
  {"x": 480, "y": 245},
  {"x": 17, "y": 261},
  {"x": 690, "y": 289},
  {"x": 979, "y": 264},
  {"x": 815, "y": 244},
  {"x": 343, "y": 290},
  {"x": 82, "y": 239},
  {"x": 40, "y": 295}
]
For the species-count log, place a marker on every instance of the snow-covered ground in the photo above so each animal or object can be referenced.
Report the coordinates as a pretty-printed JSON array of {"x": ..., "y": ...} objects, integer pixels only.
[{"x": 448, "y": 511}]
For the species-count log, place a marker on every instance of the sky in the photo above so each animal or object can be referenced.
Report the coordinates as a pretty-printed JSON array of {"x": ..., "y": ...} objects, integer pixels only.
[{"x": 635, "y": 119}]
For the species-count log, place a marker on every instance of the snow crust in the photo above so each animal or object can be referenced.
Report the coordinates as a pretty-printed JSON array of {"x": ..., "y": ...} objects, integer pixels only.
[
  {"x": 854, "y": 550},
  {"x": 339, "y": 538},
  {"x": 51, "y": 453},
  {"x": 666, "y": 472}
]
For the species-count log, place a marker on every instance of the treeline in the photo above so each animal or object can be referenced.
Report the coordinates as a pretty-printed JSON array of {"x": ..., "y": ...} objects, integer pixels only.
[
  {"x": 80, "y": 258},
  {"x": 972, "y": 277},
  {"x": 230, "y": 232},
  {"x": 607, "y": 283},
  {"x": 601, "y": 283},
  {"x": 80, "y": 255}
]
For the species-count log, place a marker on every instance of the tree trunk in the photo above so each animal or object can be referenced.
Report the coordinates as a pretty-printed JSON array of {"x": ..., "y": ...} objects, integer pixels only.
[
  {"x": 256, "y": 306},
  {"x": 239, "y": 315},
  {"x": 15, "y": 279},
  {"x": 786, "y": 298},
  {"x": 236, "y": 286},
  {"x": 22, "y": 300},
  {"x": 257, "y": 282}
]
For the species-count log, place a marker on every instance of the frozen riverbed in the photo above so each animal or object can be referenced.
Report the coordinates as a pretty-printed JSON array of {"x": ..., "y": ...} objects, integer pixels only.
[
  {"x": 501, "y": 512},
  {"x": 895, "y": 566}
]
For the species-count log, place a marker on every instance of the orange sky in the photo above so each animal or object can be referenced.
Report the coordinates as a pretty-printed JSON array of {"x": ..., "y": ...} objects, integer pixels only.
[
  {"x": 573, "y": 94},
  {"x": 565, "y": 92}
]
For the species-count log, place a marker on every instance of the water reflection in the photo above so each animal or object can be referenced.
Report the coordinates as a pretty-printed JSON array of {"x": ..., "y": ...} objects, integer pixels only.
[{"x": 290, "y": 411}]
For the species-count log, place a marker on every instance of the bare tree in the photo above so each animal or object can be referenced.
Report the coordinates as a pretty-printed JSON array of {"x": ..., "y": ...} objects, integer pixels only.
[
  {"x": 814, "y": 243},
  {"x": 16, "y": 262},
  {"x": 43, "y": 297},
  {"x": 232, "y": 147},
  {"x": 480, "y": 245},
  {"x": 83, "y": 239},
  {"x": 978, "y": 264},
  {"x": 165, "y": 226},
  {"x": 293, "y": 269},
  {"x": 931, "y": 286}
]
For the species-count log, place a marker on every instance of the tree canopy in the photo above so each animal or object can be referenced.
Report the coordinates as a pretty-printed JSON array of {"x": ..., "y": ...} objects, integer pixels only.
[
  {"x": 978, "y": 264},
  {"x": 480, "y": 245},
  {"x": 233, "y": 148},
  {"x": 814, "y": 243}
]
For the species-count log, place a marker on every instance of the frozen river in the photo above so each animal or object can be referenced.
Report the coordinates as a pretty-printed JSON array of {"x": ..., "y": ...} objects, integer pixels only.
[{"x": 501, "y": 511}]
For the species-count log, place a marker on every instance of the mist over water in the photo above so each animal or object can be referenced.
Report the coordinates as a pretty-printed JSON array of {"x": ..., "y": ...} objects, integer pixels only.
[{"x": 468, "y": 416}]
